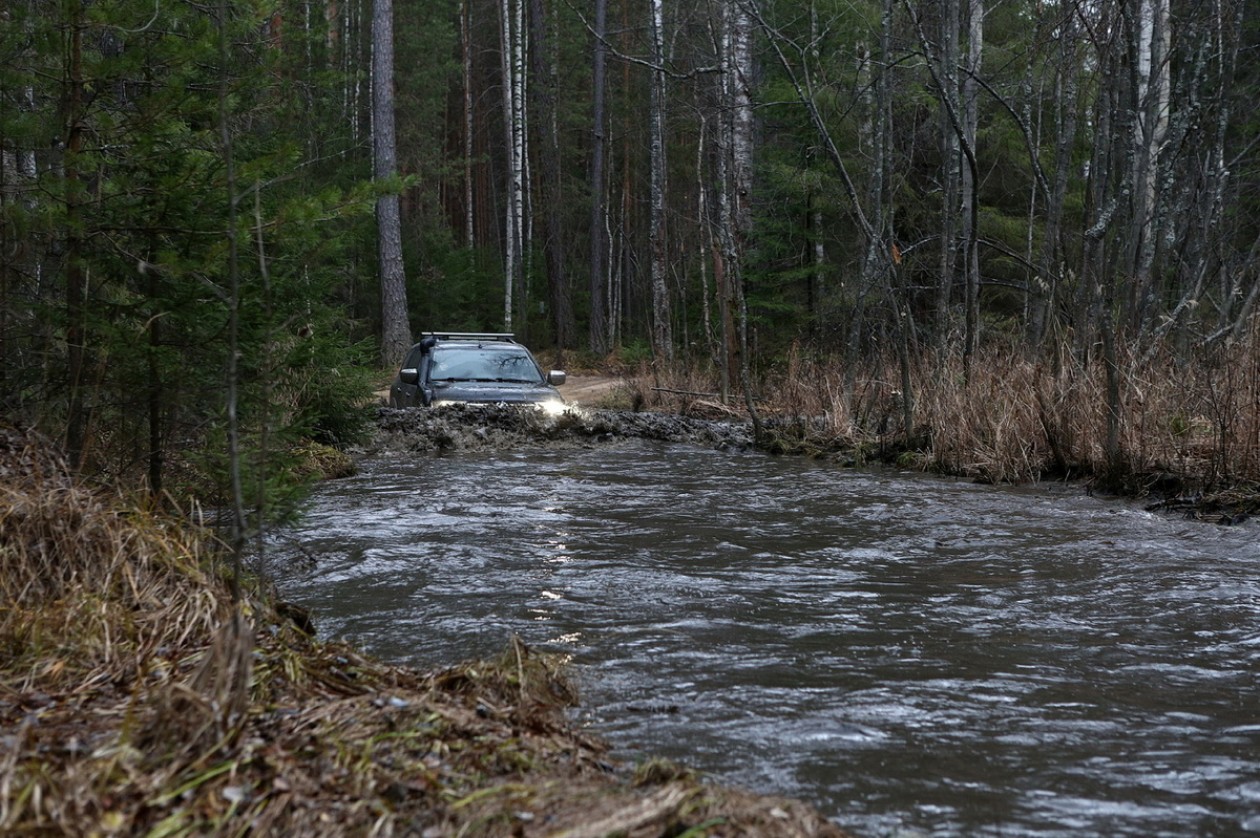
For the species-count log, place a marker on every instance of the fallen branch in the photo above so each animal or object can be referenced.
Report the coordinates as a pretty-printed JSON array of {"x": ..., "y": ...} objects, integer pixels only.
[
  {"x": 687, "y": 393},
  {"x": 658, "y": 807}
]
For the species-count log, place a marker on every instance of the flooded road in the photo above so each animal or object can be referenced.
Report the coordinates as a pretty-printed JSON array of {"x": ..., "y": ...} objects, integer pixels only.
[{"x": 903, "y": 652}]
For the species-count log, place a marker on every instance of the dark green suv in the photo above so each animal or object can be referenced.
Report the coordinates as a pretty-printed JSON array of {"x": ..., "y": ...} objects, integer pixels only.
[{"x": 473, "y": 367}]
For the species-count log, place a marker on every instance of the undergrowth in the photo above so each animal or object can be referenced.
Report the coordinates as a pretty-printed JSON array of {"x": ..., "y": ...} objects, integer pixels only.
[{"x": 1181, "y": 427}]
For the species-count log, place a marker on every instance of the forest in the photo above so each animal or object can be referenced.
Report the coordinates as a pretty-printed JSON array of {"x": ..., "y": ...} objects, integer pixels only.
[
  {"x": 1020, "y": 238},
  {"x": 1008, "y": 241}
]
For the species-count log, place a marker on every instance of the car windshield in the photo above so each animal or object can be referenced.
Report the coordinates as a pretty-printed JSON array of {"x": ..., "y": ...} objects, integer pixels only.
[{"x": 482, "y": 363}]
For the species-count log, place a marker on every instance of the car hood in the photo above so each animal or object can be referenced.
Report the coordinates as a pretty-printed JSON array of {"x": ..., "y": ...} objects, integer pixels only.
[{"x": 498, "y": 391}]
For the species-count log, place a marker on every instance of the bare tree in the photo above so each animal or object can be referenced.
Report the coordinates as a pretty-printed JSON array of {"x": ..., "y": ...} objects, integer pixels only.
[
  {"x": 1065, "y": 103},
  {"x": 961, "y": 112}
]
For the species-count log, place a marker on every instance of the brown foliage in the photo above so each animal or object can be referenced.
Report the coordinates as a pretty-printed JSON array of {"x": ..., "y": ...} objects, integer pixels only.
[{"x": 1184, "y": 426}]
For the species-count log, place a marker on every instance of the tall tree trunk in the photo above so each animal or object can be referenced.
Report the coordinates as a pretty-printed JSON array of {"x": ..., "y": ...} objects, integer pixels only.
[
  {"x": 513, "y": 115},
  {"x": 1150, "y": 127},
  {"x": 882, "y": 257},
  {"x": 235, "y": 453},
  {"x": 951, "y": 174},
  {"x": 708, "y": 245},
  {"x": 662, "y": 328},
  {"x": 76, "y": 286},
  {"x": 465, "y": 30},
  {"x": 733, "y": 175},
  {"x": 1099, "y": 310},
  {"x": 737, "y": 103},
  {"x": 395, "y": 328},
  {"x": 544, "y": 88},
  {"x": 970, "y": 181},
  {"x": 959, "y": 105},
  {"x": 723, "y": 279},
  {"x": 818, "y": 265},
  {"x": 154, "y": 383},
  {"x": 520, "y": 153},
  {"x": 598, "y": 335}
]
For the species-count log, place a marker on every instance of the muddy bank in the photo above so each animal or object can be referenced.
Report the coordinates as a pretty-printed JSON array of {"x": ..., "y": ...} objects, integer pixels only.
[
  {"x": 457, "y": 428},
  {"x": 480, "y": 427}
]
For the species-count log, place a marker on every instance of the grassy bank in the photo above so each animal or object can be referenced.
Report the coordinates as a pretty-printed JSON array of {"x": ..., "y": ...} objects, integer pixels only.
[
  {"x": 1183, "y": 433},
  {"x": 136, "y": 698}
]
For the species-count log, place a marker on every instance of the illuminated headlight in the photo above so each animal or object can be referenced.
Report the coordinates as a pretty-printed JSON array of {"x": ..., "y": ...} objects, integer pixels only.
[{"x": 553, "y": 408}]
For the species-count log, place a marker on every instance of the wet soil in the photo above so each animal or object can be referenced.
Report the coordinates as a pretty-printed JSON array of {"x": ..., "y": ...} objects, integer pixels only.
[
  {"x": 583, "y": 424},
  {"x": 478, "y": 427},
  {"x": 592, "y": 390}
]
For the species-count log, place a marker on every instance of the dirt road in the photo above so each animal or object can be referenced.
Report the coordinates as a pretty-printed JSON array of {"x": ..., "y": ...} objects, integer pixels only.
[{"x": 588, "y": 390}]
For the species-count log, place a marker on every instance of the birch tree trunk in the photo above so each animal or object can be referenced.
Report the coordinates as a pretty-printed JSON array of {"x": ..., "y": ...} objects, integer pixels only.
[
  {"x": 513, "y": 119},
  {"x": 395, "y": 328},
  {"x": 1150, "y": 127},
  {"x": 736, "y": 185},
  {"x": 1205, "y": 114}
]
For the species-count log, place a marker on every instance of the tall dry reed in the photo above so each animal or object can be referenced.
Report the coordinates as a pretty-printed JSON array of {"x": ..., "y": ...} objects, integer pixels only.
[{"x": 1187, "y": 424}]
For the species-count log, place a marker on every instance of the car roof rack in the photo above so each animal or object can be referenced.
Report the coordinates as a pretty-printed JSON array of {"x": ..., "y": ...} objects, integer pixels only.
[{"x": 471, "y": 336}]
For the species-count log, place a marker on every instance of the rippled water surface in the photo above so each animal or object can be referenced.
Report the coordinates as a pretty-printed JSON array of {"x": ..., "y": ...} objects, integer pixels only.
[{"x": 900, "y": 651}]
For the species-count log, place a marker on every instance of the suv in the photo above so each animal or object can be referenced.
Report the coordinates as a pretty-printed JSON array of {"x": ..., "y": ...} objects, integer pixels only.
[{"x": 472, "y": 367}]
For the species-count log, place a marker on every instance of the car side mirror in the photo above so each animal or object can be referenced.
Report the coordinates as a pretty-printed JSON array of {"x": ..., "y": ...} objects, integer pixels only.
[
  {"x": 409, "y": 375},
  {"x": 556, "y": 377}
]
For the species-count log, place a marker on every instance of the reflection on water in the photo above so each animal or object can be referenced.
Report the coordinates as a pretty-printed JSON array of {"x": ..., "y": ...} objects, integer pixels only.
[{"x": 898, "y": 650}]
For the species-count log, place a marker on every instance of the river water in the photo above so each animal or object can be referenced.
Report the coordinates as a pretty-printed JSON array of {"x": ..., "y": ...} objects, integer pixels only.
[{"x": 907, "y": 653}]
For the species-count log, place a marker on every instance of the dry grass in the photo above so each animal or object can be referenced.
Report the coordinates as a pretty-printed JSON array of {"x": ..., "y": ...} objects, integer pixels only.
[
  {"x": 137, "y": 699},
  {"x": 91, "y": 588},
  {"x": 1183, "y": 426}
]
